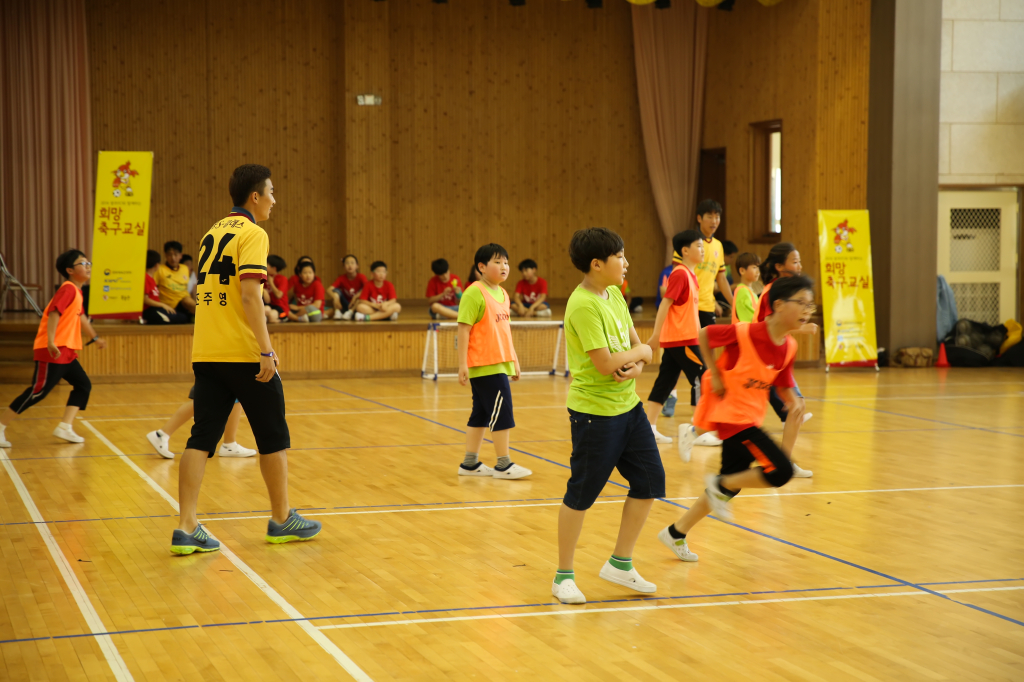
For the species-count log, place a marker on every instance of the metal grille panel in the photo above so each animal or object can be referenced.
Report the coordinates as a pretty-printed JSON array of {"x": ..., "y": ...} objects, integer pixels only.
[
  {"x": 975, "y": 239},
  {"x": 977, "y": 301}
]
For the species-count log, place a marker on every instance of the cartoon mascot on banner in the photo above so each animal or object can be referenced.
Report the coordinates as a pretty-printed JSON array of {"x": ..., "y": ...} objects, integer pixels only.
[{"x": 123, "y": 179}]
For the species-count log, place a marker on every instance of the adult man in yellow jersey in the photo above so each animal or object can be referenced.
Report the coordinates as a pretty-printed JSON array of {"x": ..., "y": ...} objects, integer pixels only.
[
  {"x": 712, "y": 270},
  {"x": 232, "y": 358}
]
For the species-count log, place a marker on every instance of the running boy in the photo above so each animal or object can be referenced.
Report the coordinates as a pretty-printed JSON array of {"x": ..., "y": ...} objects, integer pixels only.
[
  {"x": 486, "y": 360},
  {"x": 735, "y": 392},
  {"x": 444, "y": 290},
  {"x": 531, "y": 295},
  {"x": 378, "y": 300},
  {"x": 676, "y": 328},
  {"x": 345, "y": 291},
  {"x": 56, "y": 349},
  {"x": 748, "y": 269},
  {"x": 609, "y": 428},
  {"x": 233, "y": 359}
]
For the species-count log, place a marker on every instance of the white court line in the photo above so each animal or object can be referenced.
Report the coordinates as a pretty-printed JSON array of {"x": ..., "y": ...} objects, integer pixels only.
[
  {"x": 455, "y": 507},
  {"x": 92, "y": 618},
  {"x": 659, "y": 607},
  {"x": 326, "y": 644}
]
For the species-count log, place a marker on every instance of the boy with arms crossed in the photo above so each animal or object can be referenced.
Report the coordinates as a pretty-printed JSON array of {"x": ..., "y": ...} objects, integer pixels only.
[{"x": 609, "y": 428}]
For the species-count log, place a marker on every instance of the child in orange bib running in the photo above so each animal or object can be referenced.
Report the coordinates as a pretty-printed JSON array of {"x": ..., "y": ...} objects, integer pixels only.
[
  {"x": 734, "y": 400},
  {"x": 486, "y": 360},
  {"x": 56, "y": 349}
]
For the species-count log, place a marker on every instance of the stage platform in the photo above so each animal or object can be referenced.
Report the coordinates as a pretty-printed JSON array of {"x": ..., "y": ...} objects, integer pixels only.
[{"x": 330, "y": 349}]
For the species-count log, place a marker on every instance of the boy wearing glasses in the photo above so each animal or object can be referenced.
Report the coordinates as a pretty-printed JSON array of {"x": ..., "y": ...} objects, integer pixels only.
[
  {"x": 733, "y": 401},
  {"x": 56, "y": 349}
]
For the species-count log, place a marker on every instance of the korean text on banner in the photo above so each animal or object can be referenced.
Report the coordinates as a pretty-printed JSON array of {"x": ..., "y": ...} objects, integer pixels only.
[
  {"x": 120, "y": 235},
  {"x": 847, "y": 288}
]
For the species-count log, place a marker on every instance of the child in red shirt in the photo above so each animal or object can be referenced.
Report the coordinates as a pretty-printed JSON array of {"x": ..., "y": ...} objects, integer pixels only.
[
  {"x": 530, "y": 297},
  {"x": 377, "y": 302},
  {"x": 308, "y": 293},
  {"x": 444, "y": 291},
  {"x": 275, "y": 292},
  {"x": 155, "y": 311},
  {"x": 56, "y": 349},
  {"x": 733, "y": 399},
  {"x": 346, "y": 289}
]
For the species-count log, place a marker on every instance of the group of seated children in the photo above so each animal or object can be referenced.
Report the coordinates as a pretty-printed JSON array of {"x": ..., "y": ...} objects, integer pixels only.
[
  {"x": 169, "y": 294},
  {"x": 302, "y": 297}
]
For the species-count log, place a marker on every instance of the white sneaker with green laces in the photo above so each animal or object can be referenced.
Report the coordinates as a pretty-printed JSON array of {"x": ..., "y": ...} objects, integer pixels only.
[
  {"x": 567, "y": 592},
  {"x": 630, "y": 578},
  {"x": 678, "y": 547}
]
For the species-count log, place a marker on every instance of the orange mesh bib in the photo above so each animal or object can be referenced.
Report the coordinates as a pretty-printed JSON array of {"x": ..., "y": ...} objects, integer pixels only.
[
  {"x": 490, "y": 339},
  {"x": 69, "y": 328}
]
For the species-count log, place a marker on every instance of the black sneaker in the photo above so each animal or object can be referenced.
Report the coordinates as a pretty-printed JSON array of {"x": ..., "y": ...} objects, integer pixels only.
[
  {"x": 198, "y": 541},
  {"x": 295, "y": 528}
]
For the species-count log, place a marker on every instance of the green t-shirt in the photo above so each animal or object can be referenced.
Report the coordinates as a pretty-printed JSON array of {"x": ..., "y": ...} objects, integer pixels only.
[
  {"x": 471, "y": 311},
  {"x": 592, "y": 322},
  {"x": 746, "y": 303}
]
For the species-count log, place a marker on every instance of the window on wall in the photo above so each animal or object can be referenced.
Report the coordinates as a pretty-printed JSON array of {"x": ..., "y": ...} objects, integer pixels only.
[{"x": 766, "y": 181}]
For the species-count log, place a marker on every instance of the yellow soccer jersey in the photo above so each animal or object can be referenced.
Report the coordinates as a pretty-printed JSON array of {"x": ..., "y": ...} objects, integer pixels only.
[
  {"x": 173, "y": 284},
  {"x": 707, "y": 271},
  {"x": 234, "y": 249}
]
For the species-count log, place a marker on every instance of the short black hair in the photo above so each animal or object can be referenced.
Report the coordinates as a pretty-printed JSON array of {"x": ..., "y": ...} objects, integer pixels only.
[
  {"x": 247, "y": 179},
  {"x": 786, "y": 287},
  {"x": 152, "y": 258},
  {"x": 486, "y": 252},
  {"x": 277, "y": 262},
  {"x": 709, "y": 206},
  {"x": 729, "y": 248},
  {"x": 173, "y": 246},
  {"x": 378, "y": 264},
  {"x": 349, "y": 255},
  {"x": 593, "y": 242},
  {"x": 302, "y": 265},
  {"x": 303, "y": 259},
  {"x": 685, "y": 239},
  {"x": 185, "y": 257},
  {"x": 439, "y": 266},
  {"x": 745, "y": 260},
  {"x": 527, "y": 263},
  {"x": 66, "y": 261}
]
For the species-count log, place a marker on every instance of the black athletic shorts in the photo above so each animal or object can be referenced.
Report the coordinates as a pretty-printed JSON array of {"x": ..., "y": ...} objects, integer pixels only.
[
  {"x": 750, "y": 446},
  {"x": 676, "y": 359},
  {"x": 492, "y": 403},
  {"x": 218, "y": 385},
  {"x": 706, "y": 318}
]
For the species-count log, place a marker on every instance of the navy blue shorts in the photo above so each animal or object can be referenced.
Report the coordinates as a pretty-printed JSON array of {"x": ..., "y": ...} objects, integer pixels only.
[
  {"x": 492, "y": 403},
  {"x": 603, "y": 444}
]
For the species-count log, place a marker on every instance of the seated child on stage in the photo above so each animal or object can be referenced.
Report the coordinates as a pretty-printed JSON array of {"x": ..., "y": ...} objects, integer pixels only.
[
  {"x": 734, "y": 399},
  {"x": 275, "y": 293},
  {"x": 294, "y": 279},
  {"x": 379, "y": 299},
  {"x": 531, "y": 293},
  {"x": 308, "y": 293},
  {"x": 56, "y": 347},
  {"x": 487, "y": 360},
  {"x": 676, "y": 328},
  {"x": 155, "y": 311},
  {"x": 444, "y": 290},
  {"x": 748, "y": 270},
  {"x": 172, "y": 277},
  {"x": 345, "y": 291},
  {"x": 609, "y": 428}
]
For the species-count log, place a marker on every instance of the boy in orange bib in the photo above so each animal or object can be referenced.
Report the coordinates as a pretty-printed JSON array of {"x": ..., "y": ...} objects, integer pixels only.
[
  {"x": 734, "y": 400},
  {"x": 487, "y": 360},
  {"x": 56, "y": 349}
]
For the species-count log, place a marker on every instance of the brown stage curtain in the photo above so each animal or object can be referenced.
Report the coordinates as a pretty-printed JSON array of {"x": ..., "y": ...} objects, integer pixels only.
[
  {"x": 671, "y": 53},
  {"x": 45, "y": 138}
]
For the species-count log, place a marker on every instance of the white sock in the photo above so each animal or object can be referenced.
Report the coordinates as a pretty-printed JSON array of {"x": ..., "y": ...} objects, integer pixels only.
[{"x": 65, "y": 425}]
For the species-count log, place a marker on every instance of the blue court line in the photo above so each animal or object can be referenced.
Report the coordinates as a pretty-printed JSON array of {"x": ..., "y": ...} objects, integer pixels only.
[
  {"x": 735, "y": 525},
  {"x": 303, "y": 509},
  {"x": 481, "y": 608},
  {"x": 923, "y": 419}
]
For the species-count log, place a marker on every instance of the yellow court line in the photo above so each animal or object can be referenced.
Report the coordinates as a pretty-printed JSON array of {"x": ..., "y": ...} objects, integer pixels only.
[{"x": 658, "y": 607}]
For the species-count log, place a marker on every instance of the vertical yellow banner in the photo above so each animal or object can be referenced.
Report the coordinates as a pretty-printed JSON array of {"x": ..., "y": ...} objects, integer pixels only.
[
  {"x": 847, "y": 288},
  {"x": 120, "y": 233}
]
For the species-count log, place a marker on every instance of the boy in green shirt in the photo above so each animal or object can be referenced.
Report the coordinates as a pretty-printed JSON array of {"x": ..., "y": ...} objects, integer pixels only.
[
  {"x": 486, "y": 360},
  {"x": 609, "y": 427}
]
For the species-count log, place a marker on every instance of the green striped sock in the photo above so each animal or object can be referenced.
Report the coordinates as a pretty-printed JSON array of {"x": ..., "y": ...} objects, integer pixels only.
[
  {"x": 561, "y": 575},
  {"x": 621, "y": 563}
]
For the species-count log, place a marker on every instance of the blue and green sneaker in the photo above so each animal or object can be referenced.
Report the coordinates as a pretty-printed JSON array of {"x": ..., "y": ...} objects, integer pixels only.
[
  {"x": 198, "y": 541},
  {"x": 295, "y": 528}
]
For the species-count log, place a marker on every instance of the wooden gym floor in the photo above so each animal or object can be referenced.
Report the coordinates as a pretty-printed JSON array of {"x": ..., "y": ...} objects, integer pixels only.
[{"x": 902, "y": 559}]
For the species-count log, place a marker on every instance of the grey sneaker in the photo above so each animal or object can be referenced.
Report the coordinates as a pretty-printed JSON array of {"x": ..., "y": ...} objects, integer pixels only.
[
  {"x": 669, "y": 408},
  {"x": 198, "y": 541},
  {"x": 295, "y": 528}
]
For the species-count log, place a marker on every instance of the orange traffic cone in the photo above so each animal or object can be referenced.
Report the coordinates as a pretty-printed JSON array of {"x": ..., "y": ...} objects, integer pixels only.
[{"x": 942, "y": 361}]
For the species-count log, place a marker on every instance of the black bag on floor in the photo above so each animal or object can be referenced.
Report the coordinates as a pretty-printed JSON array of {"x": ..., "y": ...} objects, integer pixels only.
[{"x": 973, "y": 344}]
